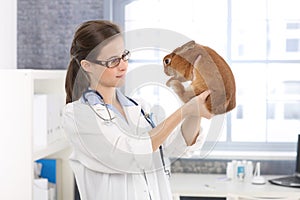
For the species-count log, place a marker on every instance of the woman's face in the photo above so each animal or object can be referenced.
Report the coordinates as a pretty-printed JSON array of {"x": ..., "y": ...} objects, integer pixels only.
[{"x": 109, "y": 77}]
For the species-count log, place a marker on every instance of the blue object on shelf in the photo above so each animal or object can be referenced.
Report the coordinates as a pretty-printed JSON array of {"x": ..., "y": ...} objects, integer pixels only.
[{"x": 48, "y": 169}]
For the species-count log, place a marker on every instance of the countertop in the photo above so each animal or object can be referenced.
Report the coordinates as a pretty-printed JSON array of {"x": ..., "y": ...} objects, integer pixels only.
[{"x": 206, "y": 185}]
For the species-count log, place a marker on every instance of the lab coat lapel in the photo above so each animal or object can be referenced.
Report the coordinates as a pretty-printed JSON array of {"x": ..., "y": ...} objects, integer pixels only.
[{"x": 133, "y": 114}]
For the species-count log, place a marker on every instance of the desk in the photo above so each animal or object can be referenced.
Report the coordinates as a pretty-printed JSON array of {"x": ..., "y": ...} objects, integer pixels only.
[{"x": 206, "y": 185}]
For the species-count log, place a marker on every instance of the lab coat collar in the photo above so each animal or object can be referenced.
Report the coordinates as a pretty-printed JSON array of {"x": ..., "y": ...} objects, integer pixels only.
[
  {"x": 94, "y": 99},
  {"x": 132, "y": 111},
  {"x": 124, "y": 101}
]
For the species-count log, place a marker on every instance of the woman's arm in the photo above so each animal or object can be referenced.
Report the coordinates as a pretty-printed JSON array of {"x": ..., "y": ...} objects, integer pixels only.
[{"x": 190, "y": 111}]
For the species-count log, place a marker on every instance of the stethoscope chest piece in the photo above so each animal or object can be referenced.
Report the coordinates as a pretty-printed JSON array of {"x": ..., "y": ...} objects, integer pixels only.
[{"x": 107, "y": 122}]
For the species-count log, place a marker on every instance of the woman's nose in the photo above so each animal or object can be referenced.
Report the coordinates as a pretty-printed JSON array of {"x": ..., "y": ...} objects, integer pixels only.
[{"x": 123, "y": 65}]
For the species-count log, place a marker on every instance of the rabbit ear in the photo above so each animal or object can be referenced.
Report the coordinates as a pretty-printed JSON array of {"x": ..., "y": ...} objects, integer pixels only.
[
  {"x": 189, "y": 45},
  {"x": 195, "y": 64},
  {"x": 197, "y": 60}
]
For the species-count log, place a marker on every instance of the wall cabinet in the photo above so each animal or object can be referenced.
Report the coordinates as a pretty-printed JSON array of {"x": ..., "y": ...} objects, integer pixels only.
[{"x": 17, "y": 150}]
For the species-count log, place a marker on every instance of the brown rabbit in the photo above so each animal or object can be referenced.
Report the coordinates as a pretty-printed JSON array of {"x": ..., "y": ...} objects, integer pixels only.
[{"x": 206, "y": 70}]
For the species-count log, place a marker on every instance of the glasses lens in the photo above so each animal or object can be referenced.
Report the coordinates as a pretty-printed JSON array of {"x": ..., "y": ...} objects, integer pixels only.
[
  {"x": 116, "y": 61},
  {"x": 113, "y": 63}
]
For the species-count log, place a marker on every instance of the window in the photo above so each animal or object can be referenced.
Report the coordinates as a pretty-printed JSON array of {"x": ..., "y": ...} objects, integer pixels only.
[{"x": 260, "y": 39}]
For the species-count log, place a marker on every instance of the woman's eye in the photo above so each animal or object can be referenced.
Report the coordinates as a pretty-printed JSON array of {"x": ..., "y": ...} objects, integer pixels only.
[{"x": 113, "y": 61}]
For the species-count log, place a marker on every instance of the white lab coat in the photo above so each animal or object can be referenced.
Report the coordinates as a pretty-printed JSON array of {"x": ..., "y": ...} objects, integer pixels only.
[{"x": 114, "y": 160}]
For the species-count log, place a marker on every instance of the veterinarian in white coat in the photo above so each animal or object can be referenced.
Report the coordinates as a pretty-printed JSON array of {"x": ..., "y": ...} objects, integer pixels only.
[{"x": 116, "y": 152}]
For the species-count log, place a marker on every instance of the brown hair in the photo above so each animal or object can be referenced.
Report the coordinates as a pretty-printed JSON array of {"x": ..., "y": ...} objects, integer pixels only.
[{"x": 87, "y": 37}]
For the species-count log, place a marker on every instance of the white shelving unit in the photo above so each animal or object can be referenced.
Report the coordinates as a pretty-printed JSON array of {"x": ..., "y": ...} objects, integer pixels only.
[{"x": 17, "y": 152}]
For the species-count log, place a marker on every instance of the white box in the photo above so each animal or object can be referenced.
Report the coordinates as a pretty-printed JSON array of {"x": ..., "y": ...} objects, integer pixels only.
[
  {"x": 52, "y": 191},
  {"x": 43, "y": 190},
  {"x": 40, "y": 189},
  {"x": 46, "y": 119}
]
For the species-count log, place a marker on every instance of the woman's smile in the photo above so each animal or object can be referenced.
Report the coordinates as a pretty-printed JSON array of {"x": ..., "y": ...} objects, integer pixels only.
[{"x": 120, "y": 76}]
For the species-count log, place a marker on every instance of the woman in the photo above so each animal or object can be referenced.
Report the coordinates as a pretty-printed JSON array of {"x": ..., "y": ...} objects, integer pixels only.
[{"x": 116, "y": 153}]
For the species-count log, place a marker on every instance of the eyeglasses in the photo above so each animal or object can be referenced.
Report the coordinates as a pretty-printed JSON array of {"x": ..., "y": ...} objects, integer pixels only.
[{"x": 114, "y": 62}]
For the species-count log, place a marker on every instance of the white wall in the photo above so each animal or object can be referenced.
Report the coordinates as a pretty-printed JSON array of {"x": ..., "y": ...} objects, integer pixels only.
[{"x": 8, "y": 34}]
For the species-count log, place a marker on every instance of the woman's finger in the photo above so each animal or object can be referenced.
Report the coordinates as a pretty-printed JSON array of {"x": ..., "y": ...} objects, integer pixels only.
[{"x": 205, "y": 94}]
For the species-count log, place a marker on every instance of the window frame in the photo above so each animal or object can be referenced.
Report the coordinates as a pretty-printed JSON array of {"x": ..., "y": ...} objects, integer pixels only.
[{"x": 117, "y": 13}]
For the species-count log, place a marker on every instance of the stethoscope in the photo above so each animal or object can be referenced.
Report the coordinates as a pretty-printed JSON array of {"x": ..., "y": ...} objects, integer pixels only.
[
  {"x": 148, "y": 118},
  {"x": 96, "y": 94}
]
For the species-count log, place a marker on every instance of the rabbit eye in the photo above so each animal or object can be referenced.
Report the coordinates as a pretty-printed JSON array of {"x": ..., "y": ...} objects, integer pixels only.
[{"x": 167, "y": 61}]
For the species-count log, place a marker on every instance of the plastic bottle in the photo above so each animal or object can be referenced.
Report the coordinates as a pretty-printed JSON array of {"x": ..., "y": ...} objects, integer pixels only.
[
  {"x": 229, "y": 171},
  {"x": 249, "y": 171},
  {"x": 240, "y": 171},
  {"x": 234, "y": 169}
]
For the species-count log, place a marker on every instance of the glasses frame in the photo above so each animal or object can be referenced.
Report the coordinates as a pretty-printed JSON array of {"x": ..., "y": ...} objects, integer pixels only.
[{"x": 109, "y": 63}]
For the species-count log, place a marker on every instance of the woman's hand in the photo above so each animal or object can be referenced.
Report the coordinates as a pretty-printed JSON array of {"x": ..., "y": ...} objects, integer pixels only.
[
  {"x": 191, "y": 112},
  {"x": 196, "y": 106}
]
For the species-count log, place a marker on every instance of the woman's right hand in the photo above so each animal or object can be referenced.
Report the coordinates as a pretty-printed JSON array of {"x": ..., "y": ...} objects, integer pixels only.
[{"x": 196, "y": 106}]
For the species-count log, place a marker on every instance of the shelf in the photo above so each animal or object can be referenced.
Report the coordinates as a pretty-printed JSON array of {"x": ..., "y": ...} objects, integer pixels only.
[
  {"x": 17, "y": 149},
  {"x": 45, "y": 74},
  {"x": 57, "y": 146},
  {"x": 37, "y": 74}
]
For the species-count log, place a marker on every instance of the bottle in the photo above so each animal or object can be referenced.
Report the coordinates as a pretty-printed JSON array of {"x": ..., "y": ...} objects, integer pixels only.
[
  {"x": 240, "y": 171},
  {"x": 229, "y": 171},
  {"x": 234, "y": 169},
  {"x": 249, "y": 171}
]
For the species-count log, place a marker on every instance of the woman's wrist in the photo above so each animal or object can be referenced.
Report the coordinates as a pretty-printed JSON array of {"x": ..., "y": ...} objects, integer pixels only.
[
  {"x": 184, "y": 111},
  {"x": 187, "y": 110}
]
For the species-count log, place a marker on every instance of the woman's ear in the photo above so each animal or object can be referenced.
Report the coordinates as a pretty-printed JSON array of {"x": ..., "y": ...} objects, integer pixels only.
[{"x": 86, "y": 65}]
